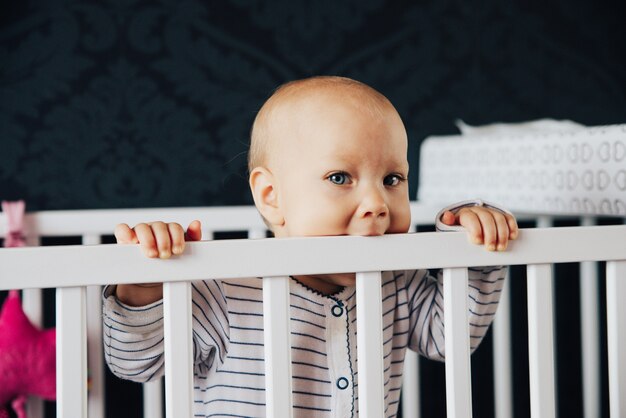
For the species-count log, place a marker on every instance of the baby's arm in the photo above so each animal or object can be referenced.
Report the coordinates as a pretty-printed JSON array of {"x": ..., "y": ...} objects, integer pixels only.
[
  {"x": 425, "y": 297},
  {"x": 156, "y": 239},
  {"x": 485, "y": 224},
  {"x": 133, "y": 314}
]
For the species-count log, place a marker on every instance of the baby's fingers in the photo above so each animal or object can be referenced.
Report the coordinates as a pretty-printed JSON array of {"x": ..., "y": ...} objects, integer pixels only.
[
  {"x": 147, "y": 241},
  {"x": 178, "y": 238},
  {"x": 470, "y": 221},
  {"x": 194, "y": 231},
  {"x": 125, "y": 235},
  {"x": 503, "y": 230},
  {"x": 513, "y": 228},
  {"x": 164, "y": 241}
]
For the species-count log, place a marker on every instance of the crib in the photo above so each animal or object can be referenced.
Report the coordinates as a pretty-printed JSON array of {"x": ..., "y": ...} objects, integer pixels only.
[
  {"x": 78, "y": 301},
  {"x": 539, "y": 246}
]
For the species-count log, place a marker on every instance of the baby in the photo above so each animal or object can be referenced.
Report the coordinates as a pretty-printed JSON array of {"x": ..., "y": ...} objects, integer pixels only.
[{"x": 328, "y": 156}]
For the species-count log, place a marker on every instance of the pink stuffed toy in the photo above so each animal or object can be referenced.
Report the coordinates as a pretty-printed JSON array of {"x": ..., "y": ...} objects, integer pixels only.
[{"x": 27, "y": 354}]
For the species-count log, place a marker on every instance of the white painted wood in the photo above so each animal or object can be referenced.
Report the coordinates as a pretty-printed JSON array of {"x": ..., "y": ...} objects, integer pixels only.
[
  {"x": 153, "y": 399},
  {"x": 103, "y": 221},
  {"x": 541, "y": 341},
  {"x": 616, "y": 336},
  {"x": 410, "y": 379},
  {"x": 457, "y": 343},
  {"x": 281, "y": 257},
  {"x": 95, "y": 357},
  {"x": 590, "y": 334},
  {"x": 178, "y": 350},
  {"x": 218, "y": 218},
  {"x": 370, "y": 344},
  {"x": 256, "y": 233},
  {"x": 32, "y": 299},
  {"x": 411, "y": 385},
  {"x": 32, "y": 303},
  {"x": 71, "y": 352},
  {"x": 277, "y": 345},
  {"x": 503, "y": 353}
]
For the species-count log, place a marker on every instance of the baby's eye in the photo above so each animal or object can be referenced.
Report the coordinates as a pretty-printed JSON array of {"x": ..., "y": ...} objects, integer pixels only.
[
  {"x": 392, "y": 180},
  {"x": 339, "y": 178}
]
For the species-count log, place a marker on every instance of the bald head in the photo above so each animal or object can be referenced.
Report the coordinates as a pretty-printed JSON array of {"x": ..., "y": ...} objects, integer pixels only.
[{"x": 292, "y": 102}]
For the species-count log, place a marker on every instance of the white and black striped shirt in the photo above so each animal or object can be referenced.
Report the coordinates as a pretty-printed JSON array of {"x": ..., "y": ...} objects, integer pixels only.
[{"x": 228, "y": 340}]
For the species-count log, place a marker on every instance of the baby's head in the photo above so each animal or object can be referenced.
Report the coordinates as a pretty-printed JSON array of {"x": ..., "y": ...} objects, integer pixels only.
[{"x": 328, "y": 156}]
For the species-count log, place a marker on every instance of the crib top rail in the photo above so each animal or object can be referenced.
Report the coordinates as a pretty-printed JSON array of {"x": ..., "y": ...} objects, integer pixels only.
[{"x": 62, "y": 266}]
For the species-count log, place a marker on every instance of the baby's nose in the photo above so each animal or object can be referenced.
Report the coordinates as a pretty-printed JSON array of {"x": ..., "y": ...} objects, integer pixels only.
[{"x": 374, "y": 206}]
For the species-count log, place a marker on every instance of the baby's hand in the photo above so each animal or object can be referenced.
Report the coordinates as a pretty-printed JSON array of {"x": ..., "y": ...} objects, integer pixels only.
[
  {"x": 484, "y": 226},
  {"x": 158, "y": 239}
]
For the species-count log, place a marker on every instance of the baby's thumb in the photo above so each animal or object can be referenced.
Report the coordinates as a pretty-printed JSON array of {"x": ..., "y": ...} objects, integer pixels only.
[
  {"x": 448, "y": 218},
  {"x": 194, "y": 231}
]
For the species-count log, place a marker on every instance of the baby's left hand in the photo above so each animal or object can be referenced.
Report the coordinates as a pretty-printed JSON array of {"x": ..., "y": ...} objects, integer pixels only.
[{"x": 484, "y": 226}]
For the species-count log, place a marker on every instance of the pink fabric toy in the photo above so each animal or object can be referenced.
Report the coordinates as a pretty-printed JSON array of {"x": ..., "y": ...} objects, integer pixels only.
[{"x": 27, "y": 354}]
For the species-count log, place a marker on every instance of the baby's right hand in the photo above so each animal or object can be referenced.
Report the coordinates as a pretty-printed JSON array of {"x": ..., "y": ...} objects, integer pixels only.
[{"x": 158, "y": 239}]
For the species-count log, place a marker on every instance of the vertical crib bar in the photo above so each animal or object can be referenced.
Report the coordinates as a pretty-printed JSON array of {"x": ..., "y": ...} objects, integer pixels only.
[
  {"x": 540, "y": 341},
  {"x": 178, "y": 349},
  {"x": 152, "y": 399},
  {"x": 32, "y": 299},
  {"x": 411, "y": 385},
  {"x": 369, "y": 320},
  {"x": 95, "y": 357},
  {"x": 71, "y": 352},
  {"x": 502, "y": 355},
  {"x": 410, "y": 380},
  {"x": 277, "y": 344},
  {"x": 590, "y": 333},
  {"x": 256, "y": 233},
  {"x": 457, "y": 343},
  {"x": 32, "y": 303},
  {"x": 616, "y": 335}
]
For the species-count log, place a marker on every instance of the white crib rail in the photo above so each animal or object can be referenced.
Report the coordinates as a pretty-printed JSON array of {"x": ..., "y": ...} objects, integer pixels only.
[{"x": 56, "y": 267}]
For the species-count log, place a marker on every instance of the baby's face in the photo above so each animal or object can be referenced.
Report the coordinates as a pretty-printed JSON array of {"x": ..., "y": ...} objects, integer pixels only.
[{"x": 342, "y": 171}]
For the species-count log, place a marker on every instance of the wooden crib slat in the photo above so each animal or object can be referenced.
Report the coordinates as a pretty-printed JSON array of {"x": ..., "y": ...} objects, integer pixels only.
[
  {"x": 277, "y": 345},
  {"x": 178, "y": 350},
  {"x": 457, "y": 343},
  {"x": 541, "y": 341},
  {"x": 616, "y": 335},
  {"x": 411, "y": 385},
  {"x": 502, "y": 355},
  {"x": 152, "y": 399},
  {"x": 410, "y": 380},
  {"x": 370, "y": 345},
  {"x": 256, "y": 233},
  {"x": 32, "y": 303},
  {"x": 71, "y": 352},
  {"x": 95, "y": 356},
  {"x": 590, "y": 334}
]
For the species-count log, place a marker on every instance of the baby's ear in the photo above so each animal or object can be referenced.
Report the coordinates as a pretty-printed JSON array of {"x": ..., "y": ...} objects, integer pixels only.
[{"x": 266, "y": 196}]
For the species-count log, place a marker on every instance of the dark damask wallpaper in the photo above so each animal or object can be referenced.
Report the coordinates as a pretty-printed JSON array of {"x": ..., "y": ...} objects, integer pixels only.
[
  {"x": 128, "y": 103},
  {"x": 108, "y": 104}
]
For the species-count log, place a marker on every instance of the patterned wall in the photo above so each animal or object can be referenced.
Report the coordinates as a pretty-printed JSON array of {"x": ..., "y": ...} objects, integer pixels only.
[{"x": 133, "y": 103}]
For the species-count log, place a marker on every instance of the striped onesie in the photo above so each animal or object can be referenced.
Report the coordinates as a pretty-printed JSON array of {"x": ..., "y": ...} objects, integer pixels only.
[{"x": 228, "y": 340}]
